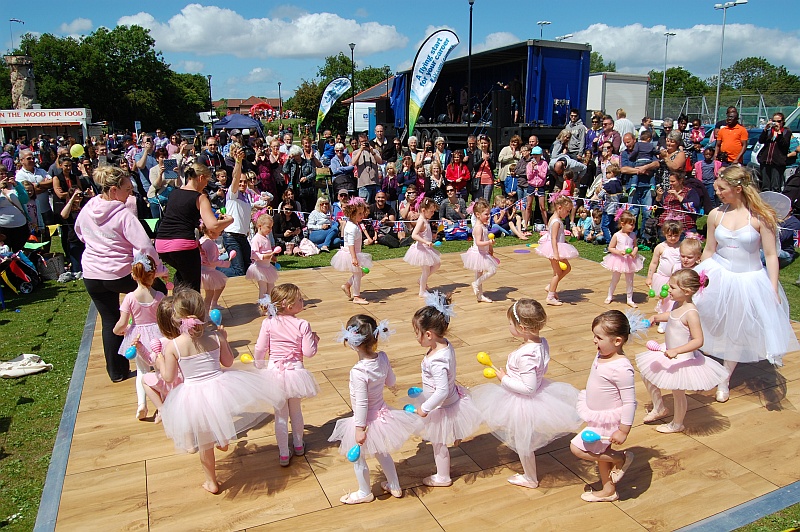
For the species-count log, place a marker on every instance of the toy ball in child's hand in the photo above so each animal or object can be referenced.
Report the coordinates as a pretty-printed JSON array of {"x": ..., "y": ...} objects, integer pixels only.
[
  {"x": 665, "y": 288},
  {"x": 664, "y": 294},
  {"x": 278, "y": 266},
  {"x": 170, "y": 285},
  {"x": 414, "y": 391},
  {"x": 491, "y": 236},
  {"x": 646, "y": 323},
  {"x": 590, "y": 436},
  {"x": 277, "y": 250},
  {"x": 216, "y": 317},
  {"x": 130, "y": 353},
  {"x": 489, "y": 373},
  {"x": 222, "y": 210},
  {"x": 562, "y": 265},
  {"x": 483, "y": 358},
  {"x": 410, "y": 408},
  {"x": 365, "y": 270},
  {"x": 651, "y": 293},
  {"x": 247, "y": 358},
  {"x": 438, "y": 243},
  {"x": 354, "y": 453},
  {"x": 155, "y": 345},
  {"x": 652, "y": 345},
  {"x": 232, "y": 255},
  {"x": 628, "y": 251}
]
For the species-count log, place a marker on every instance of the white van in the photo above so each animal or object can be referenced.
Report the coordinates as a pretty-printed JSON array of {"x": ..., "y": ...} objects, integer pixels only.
[{"x": 362, "y": 113}]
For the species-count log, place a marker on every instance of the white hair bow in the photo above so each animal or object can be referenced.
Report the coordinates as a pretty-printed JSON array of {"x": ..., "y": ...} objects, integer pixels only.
[
  {"x": 272, "y": 308},
  {"x": 143, "y": 259},
  {"x": 438, "y": 301}
]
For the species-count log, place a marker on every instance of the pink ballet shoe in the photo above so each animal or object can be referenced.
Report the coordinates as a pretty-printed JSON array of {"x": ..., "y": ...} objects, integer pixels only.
[
  {"x": 398, "y": 493},
  {"x": 434, "y": 482},
  {"x": 617, "y": 474},
  {"x": 300, "y": 450},
  {"x": 351, "y": 499},
  {"x": 141, "y": 412},
  {"x": 589, "y": 496},
  {"x": 523, "y": 481},
  {"x": 654, "y": 415}
]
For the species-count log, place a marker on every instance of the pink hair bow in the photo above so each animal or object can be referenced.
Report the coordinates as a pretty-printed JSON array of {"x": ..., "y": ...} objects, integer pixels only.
[
  {"x": 693, "y": 236},
  {"x": 187, "y": 324},
  {"x": 618, "y": 214},
  {"x": 703, "y": 277}
]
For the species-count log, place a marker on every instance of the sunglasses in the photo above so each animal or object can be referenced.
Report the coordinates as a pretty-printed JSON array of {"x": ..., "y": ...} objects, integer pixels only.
[{"x": 451, "y": 190}]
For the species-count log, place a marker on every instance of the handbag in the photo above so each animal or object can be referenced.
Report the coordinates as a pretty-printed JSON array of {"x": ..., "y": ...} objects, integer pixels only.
[{"x": 308, "y": 248}]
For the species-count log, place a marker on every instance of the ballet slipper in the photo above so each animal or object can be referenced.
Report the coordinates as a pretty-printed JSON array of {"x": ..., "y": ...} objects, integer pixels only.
[
  {"x": 632, "y": 304},
  {"x": 608, "y": 300},
  {"x": 723, "y": 396},
  {"x": 483, "y": 299},
  {"x": 222, "y": 448},
  {"x": 523, "y": 481},
  {"x": 398, "y": 493},
  {"x": 655, "y": 415},
  {"x": 589, "y": 496},
  {"x": 670, "y": 428},
  {"x": 141, "y": 412},
  {"x": 553, "y": 300},
  {"x": 157, "y": 417},
  {"x": 617, "y": 474},
  {"x": 358, "y": 300},
  {"x": 434, "y": 482},
  {"x": 350, "y": 498}
]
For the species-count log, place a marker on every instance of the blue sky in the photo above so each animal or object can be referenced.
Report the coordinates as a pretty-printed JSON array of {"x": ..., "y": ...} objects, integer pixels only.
[{"x": 248, "y": 46}]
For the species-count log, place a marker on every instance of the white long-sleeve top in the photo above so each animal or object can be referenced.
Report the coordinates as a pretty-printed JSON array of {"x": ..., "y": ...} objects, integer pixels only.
[
  {"x": 526, "y": 367},
  {"x": 439, "y": 378},
  {"x": 367, "y": 380}
]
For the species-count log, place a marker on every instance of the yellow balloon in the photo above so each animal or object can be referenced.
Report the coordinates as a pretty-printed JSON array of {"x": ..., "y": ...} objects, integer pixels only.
[
  {"x": 76, "y": 150},
  {"x": 247, "y": 358},
  {"x": 483, "y": 358},
  {"x": 489, "y": 373},
  {"x": 562, "y": 265}
]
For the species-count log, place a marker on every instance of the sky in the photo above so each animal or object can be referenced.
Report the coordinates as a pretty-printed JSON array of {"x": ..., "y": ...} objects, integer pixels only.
[{"x": 249, "y": 46}]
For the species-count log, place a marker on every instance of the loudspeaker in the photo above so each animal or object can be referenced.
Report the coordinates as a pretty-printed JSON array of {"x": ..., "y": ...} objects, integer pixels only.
[
  {"x": 383, "y": 112},
  {"x": 501, "y": 108}
]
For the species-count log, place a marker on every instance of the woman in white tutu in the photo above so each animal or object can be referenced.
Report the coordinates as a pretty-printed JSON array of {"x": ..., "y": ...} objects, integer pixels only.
[
  {"x": 422, "y": 253},
  {"x": 374, "y": 427},
  {"x": 527, "y": 411},
  {"x": 744, "y": 311},
  {"x": 678, "y": 365},
  {"x": 211, "y": 406}
]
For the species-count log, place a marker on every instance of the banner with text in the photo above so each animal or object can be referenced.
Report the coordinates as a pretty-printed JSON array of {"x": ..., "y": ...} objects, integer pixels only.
[
  {"x": 333, "y": 92},
  {"x": 427, "y": 66}
]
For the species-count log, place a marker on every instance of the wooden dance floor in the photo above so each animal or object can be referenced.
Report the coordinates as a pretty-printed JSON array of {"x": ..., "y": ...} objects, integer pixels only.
[{"x": 124, "y": 474}]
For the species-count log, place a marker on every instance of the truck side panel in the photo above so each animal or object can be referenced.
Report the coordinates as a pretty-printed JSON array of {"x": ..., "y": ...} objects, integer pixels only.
[{"x": 557, "y": 79}]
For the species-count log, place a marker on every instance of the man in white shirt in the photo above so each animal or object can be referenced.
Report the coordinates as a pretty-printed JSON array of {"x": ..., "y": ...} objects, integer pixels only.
[
  {"x": 622, "y": 125},
  {"x": 287, "y": 143},
  {"x": 42, "y": 184}
]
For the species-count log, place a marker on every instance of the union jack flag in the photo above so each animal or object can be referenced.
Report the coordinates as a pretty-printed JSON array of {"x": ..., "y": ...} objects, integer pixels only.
[
  {"x": 797, "y": 239},
  {"x": 399, "y": 226},
  {"x": 462, "y": 223},
  {"x": 302, "y": 216},
  {"x": 521, "y": 204},
  {"x": 376, "y": 224},
  {"x": 689, "y": 206}
]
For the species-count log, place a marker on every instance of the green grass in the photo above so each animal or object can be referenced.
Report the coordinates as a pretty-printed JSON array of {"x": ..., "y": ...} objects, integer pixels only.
[{"x": 786, "y": 519}]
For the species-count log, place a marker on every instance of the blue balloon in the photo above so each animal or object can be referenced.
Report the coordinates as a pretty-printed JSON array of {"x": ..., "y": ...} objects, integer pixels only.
[
  {"x": 438, "y": 243},
  {"x": 410, "y": 408},
  {"x": 414, "y": 391},
  {"x": 216, "y": 317},
  {"x": 130, "y": 353},
  {"x": 590, "y": 436},
  {"x": 354, "y": 453}
]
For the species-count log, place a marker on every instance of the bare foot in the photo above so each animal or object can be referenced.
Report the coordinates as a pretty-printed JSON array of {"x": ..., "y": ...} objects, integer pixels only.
[
  {"x": 523, "y": 237},
  {"x": 211, "y": 487},
  {"x": 346, "y": 290}
]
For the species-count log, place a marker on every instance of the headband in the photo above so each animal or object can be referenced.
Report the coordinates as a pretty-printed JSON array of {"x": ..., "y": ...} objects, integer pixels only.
[
  {"x": 637, "y": 322},
  {"x": 143, "y": 259},
  {"x": 514, "y": 310},
  {"x": 271, "y": 308},
  {"x": 438, "y": 301}
]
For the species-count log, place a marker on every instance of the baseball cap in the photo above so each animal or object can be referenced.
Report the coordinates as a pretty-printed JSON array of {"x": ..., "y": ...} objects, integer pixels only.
[
  {"x": 536, "y": 150},
  {"x": 235, "y": 132}
]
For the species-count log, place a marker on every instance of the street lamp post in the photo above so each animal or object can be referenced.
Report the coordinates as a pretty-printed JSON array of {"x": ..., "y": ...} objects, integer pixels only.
[
  {"x": 11, "y": 22},
  {"x": 542, "y": 24},
  {"x": 211, "y": 108},
  {"x": 469, "y": 67},
  {"x": 724, "y": 7},
  {"x": 563, "y": 37},
  {"x": 280, "y": 108},
  {"x": 387, "y": 71},
  {"x": 667, "y": 34},
  {"x": 353, "y": 84}
]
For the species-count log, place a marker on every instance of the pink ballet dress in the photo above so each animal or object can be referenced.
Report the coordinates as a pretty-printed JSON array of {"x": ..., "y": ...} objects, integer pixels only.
[
  {"x": 144, "y": 324},
  {"x": 565, "y": 251},
  {"x": 212, "y": 406},
  {"x": 210, "y": 277},
  {"x": 342, "y": 260},
  {"x": 422, "y": 255},
  {"x": 387, "y": 429},
  {"x": 527, "y": 411},
  {"x": 477, "y": 259},
  {"x": 624, "y": 263},
  {"x": 687, "y": 371},
  {"x": 261, "y": 270},
  {"x": 608, "y": 401},
  {"x": 451, "y": 413},
  {"x": 287, "y": 339},
  {"x": 669, "y": 263}
]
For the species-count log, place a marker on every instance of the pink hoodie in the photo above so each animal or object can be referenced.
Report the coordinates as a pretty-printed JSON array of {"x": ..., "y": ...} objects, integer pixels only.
[{"x": 111, "y": 234}]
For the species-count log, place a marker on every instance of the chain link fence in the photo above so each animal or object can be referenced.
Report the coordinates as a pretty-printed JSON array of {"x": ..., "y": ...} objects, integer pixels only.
[{"x": 754, "y": 110}]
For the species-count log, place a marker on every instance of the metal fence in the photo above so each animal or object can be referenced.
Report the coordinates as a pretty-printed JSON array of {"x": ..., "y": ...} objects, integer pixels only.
[{"x": 753, "y": 109}]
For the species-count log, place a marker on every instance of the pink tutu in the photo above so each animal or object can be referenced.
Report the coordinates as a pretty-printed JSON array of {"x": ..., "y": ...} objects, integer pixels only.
[
  {"x": 387, "y": 431},
  {"x": 212, "y": 278},
  {"x": 664, "y": 304},
  {"x": 343, "y": 262},
  {"x": 154, "y": 381},
  {"x": 147, "y": 332},
  {"x": 419, "y": 255},
  {"x": 479, "y": 262},
  {"x": 565, "y": 251},
  {"x": 200, "y": 414},
  {"x": 603, "y": 422},
  {"x": 687, "y": 371},
  {"x": 262, "y": 270},
  {"x": 626, "y": 264},
  {"x": 292, "y": 378},
  {"x": 528, "y": 422},
  {"x": 455, "y": 421}
]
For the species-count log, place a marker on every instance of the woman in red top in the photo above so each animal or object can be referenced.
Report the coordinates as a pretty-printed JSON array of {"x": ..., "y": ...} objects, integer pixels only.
[{"x": 457, "y": 173}]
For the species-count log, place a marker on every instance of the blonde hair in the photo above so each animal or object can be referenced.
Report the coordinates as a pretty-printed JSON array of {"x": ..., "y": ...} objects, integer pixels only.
[
  {"x": 264, "y": 219},
  {"x": 527, "y": 314},
  {"x": 499, "y": 200},
  {"x": 480, "y": 206},
  {"x": 691, "y": 245},
  {"x": 196, "y": 170},
  {"x": 738, "y": 176},
  {"x": 185, "y": 303},
  {"x": 109, "y": 176},
  {"x": 563, "y": 201},
  {"x": 688, "y": 280},
  {"x": 564, "y": 135},
  {"x": 614, "y": 169},
  {"x": 285, "y": 295}
]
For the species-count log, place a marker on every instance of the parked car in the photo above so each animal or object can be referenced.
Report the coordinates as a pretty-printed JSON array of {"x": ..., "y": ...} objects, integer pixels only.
[
  {"x": 187, "y": 133},
  {"x": 793, "y": 123}
]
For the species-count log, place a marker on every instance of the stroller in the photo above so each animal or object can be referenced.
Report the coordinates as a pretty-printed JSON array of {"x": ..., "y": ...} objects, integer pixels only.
[{"x": 18, "y": 274}]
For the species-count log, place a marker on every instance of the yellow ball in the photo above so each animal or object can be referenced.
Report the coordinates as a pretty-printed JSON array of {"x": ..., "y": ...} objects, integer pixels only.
[
  {"x": 483, "y": 358},
  {"x": 562, "y": 265},
  {"x": 534, "y": 246},
  {"x": 491, "y": 236},
  {"x": 247, "y": 358},
  {"x": 489, "y": 373}
]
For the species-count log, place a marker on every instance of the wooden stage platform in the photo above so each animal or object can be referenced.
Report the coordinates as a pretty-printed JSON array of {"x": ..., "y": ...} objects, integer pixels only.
[{"x": 124, "y": 474}]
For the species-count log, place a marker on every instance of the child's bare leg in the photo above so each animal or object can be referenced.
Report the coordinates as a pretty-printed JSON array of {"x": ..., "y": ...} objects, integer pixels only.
[
  {"x": 357, "y": 288},
  {"x": 605, "y": 463},
  {"x": 516, "y": 230},
  {"x": 215, "y": 298},
  {"x": 209, "y": 297},
  {"x": 209, "y": 469},
  {"x": 543, "y": 208}
]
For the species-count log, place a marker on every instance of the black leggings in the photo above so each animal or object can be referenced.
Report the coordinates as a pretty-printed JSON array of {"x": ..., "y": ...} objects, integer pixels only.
[
  {"x": 105, "y": 295},
  {"x": 16, "y": 237},
  {"x": 187, "y": 267}
]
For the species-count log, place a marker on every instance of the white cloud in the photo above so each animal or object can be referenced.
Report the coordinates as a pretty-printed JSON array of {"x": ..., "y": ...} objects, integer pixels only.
[
  {"x": 306, "y": 35},
  {"x": 492, "y": 41},
  {"x": 257, "y": 75},
  {"x": 361, "y": 13},
  {"x": 639, "y": 49},
  {"x": 76, "y": 27},
  {"x": 191, "y": 67}
]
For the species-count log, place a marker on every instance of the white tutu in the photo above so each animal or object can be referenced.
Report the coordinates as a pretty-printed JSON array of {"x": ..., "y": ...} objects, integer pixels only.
[
  {"x": 565, "y": 251},
  {"x": 456, "y": 421},
  {"x": 387, "y": 431},
  {"x": 474, "y": 260},
  {"x": 740, "y": 317},
  {"x": 294, "y": 382},
  {"x": 603, "y": 422},
  {"x": 419, "y": 255},
  {"x": 147, "y": 332},
  {"x": 343, "y": 261},
  {"x": 212, "y": 278},
  {"x": 200, "y": 414},
  {"x": 262, "y": 271},
  {"x": 528, "y": 422},
  {"x": 688, "y": 371}
]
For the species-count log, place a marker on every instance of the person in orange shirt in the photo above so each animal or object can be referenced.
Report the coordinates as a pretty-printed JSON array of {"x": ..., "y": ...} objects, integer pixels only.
[{"x": 731, "y": 139}]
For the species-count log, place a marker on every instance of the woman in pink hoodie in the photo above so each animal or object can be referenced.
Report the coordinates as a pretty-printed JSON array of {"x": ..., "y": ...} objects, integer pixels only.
[{"x": 111, "y": 233}]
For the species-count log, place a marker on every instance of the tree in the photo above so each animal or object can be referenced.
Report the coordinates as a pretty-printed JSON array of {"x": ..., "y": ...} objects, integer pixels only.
[
  {"x": 596, "y": 64},
  {"x": 757, "y": 75},
  {"x": 680, "y": 82}
]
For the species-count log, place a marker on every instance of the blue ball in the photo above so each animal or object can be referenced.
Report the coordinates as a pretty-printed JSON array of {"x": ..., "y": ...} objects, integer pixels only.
[
  {"x": 410, "y": 408},
  {"x": 646, "y": 323},
  {"x": 354, "y": 453},
  {"x": 216, "y": 317},
  {"x": 278, "y": 266},
  {"x": 130, "y": 353},
  {"x": 438, "y": 243},
  {"x": 414, "y": 391}
]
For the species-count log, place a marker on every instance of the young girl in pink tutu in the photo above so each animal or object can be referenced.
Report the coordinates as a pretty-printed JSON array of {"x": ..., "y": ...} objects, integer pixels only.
[
  {"x": 607, "y": 405},
  {"x": 554, "y": 246},
  {"x": 211, "y": 406},
  {"x": 137, "y": 321},
  {"x": 262, "y": 271},
  {"x": 480, "y": 257},
  {"x": 623, "y": 256},
  {"x": 678, "y": 365},
  {"x": 376, "y": 428},
  {"x": 422, "y": 253},
  {"x": 527, "y": 411},
  {"x": 212, "y": 280},
  {"x": 666, "y": 260},
  {"x": 448, "y": 412},
  {"x": 349, "y": 258},
  {"x": 286, "y": 339}
]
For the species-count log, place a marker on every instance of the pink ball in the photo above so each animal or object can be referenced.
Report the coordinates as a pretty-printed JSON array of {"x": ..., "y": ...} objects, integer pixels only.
[
  {"x": 277, "y": 250},
  {"x": 170, "y": 285},
  {"x": 155, "y": 345},
  {"x": 652, "y": 345},
  {"x": 232, "y": 255}
]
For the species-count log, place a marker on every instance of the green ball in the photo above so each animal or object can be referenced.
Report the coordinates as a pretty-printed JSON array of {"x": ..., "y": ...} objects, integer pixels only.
[
  {"x": 651, "y": 293},
  {"x": 365, "y": 270},
  {"x": 664, "y": 294},
  {"x": 665, "y": 288},
  {"x": 628, "y": 251}
]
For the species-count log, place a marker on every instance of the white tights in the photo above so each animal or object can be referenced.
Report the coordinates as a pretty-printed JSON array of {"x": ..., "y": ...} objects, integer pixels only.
[
  {"x": 427, "y": 271},
  {"x": 441, "y": 455},
  {"x": 529, "y": 466},
  {"x": 725, "y": 385},
  {"x": 362, "y": 474},
  {"x": 355, "y": 283},
  {"x": 482, "y": 277},
  {"x": 628, "y": 285},
  {"x": 679, "y": 403},
  {"x": 291, "y": 411},
  {"x": 141, "y": 369}
]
